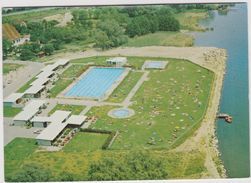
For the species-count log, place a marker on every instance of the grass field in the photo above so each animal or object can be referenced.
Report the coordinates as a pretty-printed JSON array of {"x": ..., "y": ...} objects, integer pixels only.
[
  {"x": 26, "y": 85},
  {"x": 83, "y": 142},
  {"x": 161, "y": 39},
  {"x": 75, "y": 158},
  {"x": 11, "y": 111},
  {"x": 16, "y": 152},
  {"x": 166, "y": 107},
  {"x": 66, "y": 78},
  {"x": 190, "y": 20},
  {"x": 121, "y": 92},
  {"x": 75, "y": 109},
  {"x": 10, "y": 67}
]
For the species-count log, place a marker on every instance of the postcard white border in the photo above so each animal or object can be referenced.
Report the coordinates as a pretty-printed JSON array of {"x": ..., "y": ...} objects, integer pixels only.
[{"x": 31, "y": 3}]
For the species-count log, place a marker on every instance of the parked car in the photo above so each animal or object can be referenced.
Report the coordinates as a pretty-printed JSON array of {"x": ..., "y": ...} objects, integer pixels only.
[{"x": 37, "y": 131}]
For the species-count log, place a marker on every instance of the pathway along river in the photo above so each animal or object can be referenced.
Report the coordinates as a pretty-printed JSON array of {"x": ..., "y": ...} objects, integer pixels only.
[{"x": 230, "y": 32}]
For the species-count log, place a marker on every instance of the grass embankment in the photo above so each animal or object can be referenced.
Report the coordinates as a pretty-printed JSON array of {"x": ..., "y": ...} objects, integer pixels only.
[
  {"x": 161, "y": 39},
  {"x": 26, "y": 85},
  {"x": 9, "y": 111},
  {"x": 10, "y": 67},
  {"x": 75, "y": 109},
  {"x": 166, "y": 107},
  {"x": 83, "y": 150},
  {"x": 189, "y": 20},
  {"x": 121, "y": 92},
  {"x": 66, "y": 78}
]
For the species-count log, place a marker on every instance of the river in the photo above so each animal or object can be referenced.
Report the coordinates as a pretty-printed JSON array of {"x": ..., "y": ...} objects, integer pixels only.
[{"x": 230, "y": 32}]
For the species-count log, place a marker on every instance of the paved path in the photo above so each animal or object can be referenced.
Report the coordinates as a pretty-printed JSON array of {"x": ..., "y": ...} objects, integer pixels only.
[
  {"x": 11, "y": 132},
  {"x": 85, "y": 110},
  {"x": 127, "y": 100},
  {"x": 21, "y": 76}
]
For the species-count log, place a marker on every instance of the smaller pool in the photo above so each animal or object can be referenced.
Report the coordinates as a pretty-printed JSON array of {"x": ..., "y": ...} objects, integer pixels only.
[{"x": 121, "y": 113}]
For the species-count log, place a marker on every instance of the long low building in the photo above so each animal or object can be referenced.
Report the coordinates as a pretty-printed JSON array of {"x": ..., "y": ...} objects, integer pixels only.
[
  {"x": 13, "y": 100},
  {"x": 29, "y": 111},
  {"x": 58, "y": 122}
]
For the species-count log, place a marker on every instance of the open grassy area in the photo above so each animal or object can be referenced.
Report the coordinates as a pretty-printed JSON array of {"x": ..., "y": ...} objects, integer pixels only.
[
  {"x": 189, "y": 20},
  {"x": 76, "y": 159},
  {"x": 26, "y": 85},
  {"x": 121, "y": 92},
  {"x": 161, "y": 39},
  {"x": 75, "y": 109},
  {"x": 84, "y": 141},
  {"x": 16, "y": 152},
  {"x": 10, "y": 67},
  {"x": 66, "y": 78},
  {"x": 168, "y": 106},
  {"x": 9, "y": 111}
]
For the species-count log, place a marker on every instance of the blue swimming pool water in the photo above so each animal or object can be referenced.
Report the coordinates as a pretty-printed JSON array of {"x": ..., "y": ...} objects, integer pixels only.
[
  {"x": 95, "y": 83},
  {"x": 154, "y": 65}
]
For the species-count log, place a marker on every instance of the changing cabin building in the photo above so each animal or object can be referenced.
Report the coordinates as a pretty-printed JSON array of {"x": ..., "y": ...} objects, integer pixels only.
[
  {"x": 14, "y": 100},
  {"x": 117, "y": 61},
  {"x": 29, "y": 111},
  {"x": 59, "y": 120}
]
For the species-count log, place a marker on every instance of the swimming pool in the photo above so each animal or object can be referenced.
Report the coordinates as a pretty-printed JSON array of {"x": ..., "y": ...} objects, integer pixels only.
[
  {"x": 155, "y": 64},
  {"x": 95, "y": 83}
]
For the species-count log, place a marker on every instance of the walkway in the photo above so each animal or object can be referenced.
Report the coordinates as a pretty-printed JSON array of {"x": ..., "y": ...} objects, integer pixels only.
[{"x": 143, "y": 78}]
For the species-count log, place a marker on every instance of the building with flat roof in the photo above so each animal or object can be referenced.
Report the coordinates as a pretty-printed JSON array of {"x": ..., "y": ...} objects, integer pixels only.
[
  {"x": 29, "y": 111},
  {"x": 40, "y": 121},
  {"x": 34, "y": 91},
  {"x": 117, "y": 61},
  {"x": 14, "y": 100},
  {"x": 59, "y": 120}
]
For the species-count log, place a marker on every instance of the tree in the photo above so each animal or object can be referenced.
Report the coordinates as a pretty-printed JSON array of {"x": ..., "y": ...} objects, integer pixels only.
[
  {"x": 31, "y": 173},
  {"x": 66, "y": 176},
  {"x": 102, "y": 41},
  {"x": 7, "y": 48},
  {"x": 48, "y": 49},
  {"x": 136, "y": 165},
  {"x": 26, "y": 54}
]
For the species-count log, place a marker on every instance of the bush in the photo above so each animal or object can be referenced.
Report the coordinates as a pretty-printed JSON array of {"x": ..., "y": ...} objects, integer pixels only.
[{"x": 108, "y": 140}]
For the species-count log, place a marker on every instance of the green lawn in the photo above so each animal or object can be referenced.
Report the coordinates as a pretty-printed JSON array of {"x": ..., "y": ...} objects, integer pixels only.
[
  {"x": 75, "y": 109},
  {"x": 168, "y": 107},
  {"x": 121, "y": 92},
  {"x": 83, "y": 142},
  {"x": 10, "y": 67},
  {"x": 60, "y": 85},
  {"x": 73, "y": 71},
  {"x": 26, "y": 85},
  {"x": 161, "y": 39},
  {"x": 9, "y": 111},
  {"x": 16, "y": 152}
]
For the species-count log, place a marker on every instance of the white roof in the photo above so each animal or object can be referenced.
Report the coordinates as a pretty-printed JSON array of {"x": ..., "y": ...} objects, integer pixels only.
[
  {"x": 34, "y": 89},
  {"x": 59, "y": 116},
  {"x": 13, "y": 97},
  {"x": 40, "y": 119},
  {"x": 52, "y": 131},
  {"x": 76, "y": 119},
  {"x": 40, "y": 81},
  {"x": 117, "y": 59},
  {"x": 45, "y": 74},
  {"x": 29, "y": 110},
  {"x": 62, "y": 62}
]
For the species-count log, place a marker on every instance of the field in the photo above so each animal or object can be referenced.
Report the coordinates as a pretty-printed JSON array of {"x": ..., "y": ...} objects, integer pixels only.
[
  {"x": 10, "y": 67},
  {"x": 76, "y": 159},
  {"x": 26, "y": 85},
  {"x": 11, "y": 111},
  {"x": 75, "y": 109},
  {"x": 13, "y": 160},
  {"x": 86, "y": 142},
  {"x": 120, "y": 93},
  {"x": 161, "y": 39},
  {"x": 167, "y": 108},
  {"x": 66, "y": 78}
]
